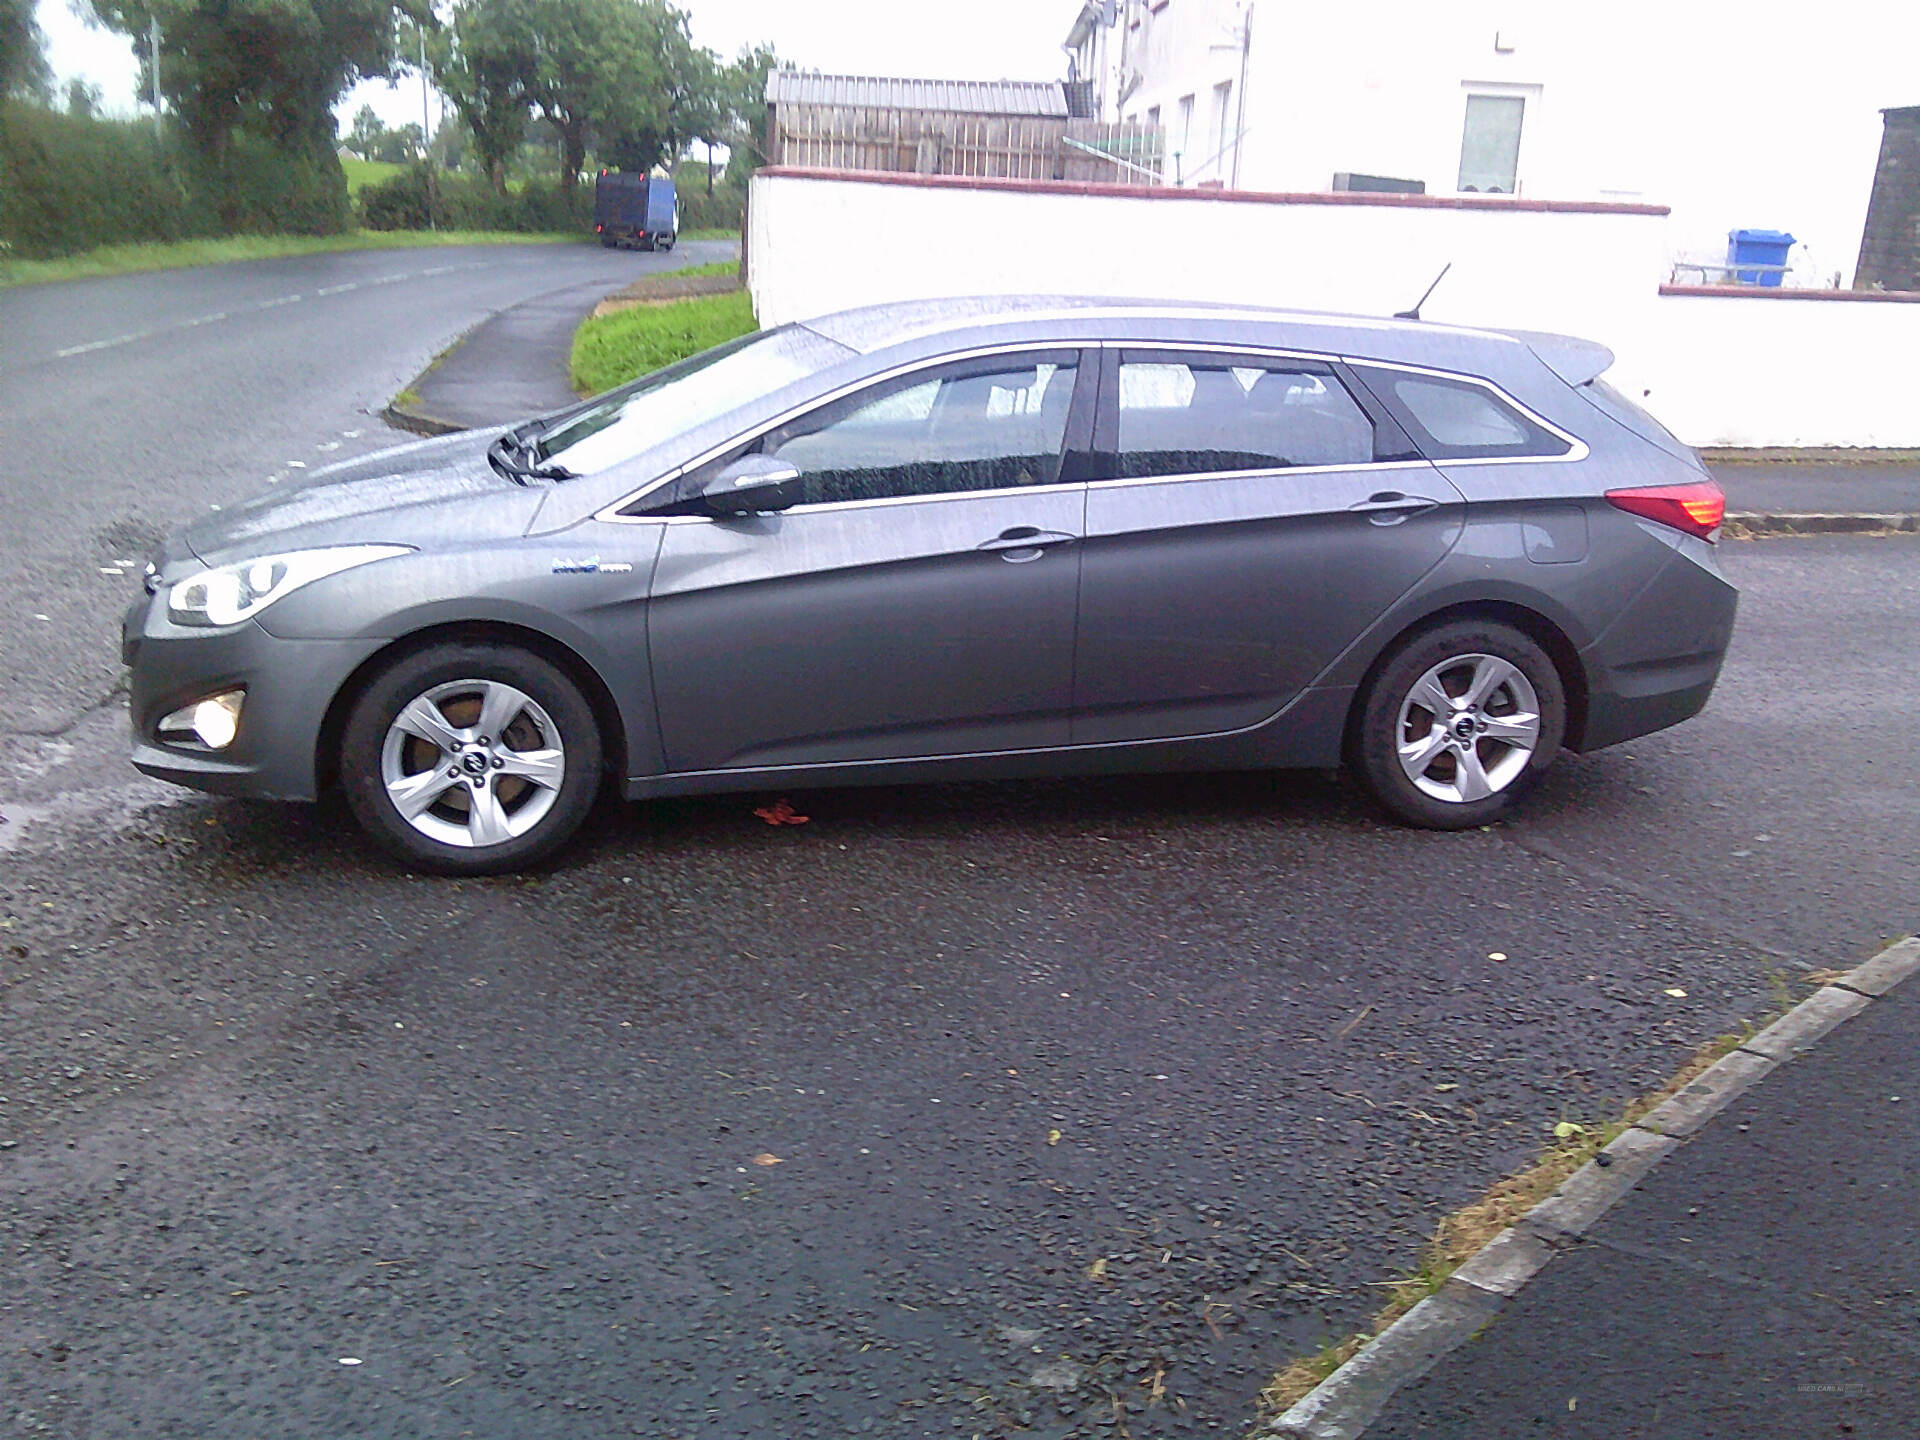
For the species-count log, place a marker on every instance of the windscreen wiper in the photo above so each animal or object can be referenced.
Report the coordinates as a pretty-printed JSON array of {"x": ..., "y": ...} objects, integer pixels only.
[{"x": 512, "y": 456}]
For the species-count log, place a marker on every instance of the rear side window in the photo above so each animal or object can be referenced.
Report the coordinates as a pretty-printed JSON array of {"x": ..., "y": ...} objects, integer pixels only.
[
  {"x": 1193, "y": 415},
  {"x": 1459, "y": 420}
]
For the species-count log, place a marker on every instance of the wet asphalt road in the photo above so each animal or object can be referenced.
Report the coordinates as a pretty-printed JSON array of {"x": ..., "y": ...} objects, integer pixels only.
[
  {"x": 1040, "y": 1110},
  {"x": 131, "y": 404}
]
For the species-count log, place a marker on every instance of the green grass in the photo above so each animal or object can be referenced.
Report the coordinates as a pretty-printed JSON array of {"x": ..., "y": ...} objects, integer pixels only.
[
  {"x": 132, "y": 259},
  {"x": 617, "y": 348},
  {"x": 367, "y": 172},
  {"x": 718, "y": 267},
  {"x": 720, "y": 233}
]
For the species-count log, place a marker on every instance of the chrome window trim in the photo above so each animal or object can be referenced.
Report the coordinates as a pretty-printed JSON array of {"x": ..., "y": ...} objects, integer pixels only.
[
  {"x": 1271, "y": 473},
  {"x": 610, "y": 513},
  {"x": 1578, "y": 449}
]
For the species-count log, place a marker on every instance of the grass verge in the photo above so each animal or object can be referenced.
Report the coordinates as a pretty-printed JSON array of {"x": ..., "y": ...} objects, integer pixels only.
[
  {"x": 710, "y": 233},
  {"x": 717, "y": 267},
  {"x": 616, "y": 348},
  {"x": 179, "y": 255},
  {"x": 1464, "y": 1233}
]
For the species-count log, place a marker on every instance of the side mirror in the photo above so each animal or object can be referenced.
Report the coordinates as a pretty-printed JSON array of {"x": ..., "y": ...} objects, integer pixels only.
[{"x": 753, "y": 485}]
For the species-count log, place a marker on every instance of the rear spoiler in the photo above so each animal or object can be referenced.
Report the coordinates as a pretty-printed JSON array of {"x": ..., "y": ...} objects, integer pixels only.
[{"x": 1574, "y": 361}]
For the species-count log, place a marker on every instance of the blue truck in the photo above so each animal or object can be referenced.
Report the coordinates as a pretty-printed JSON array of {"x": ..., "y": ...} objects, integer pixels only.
[{"x": 635, "y": 210}]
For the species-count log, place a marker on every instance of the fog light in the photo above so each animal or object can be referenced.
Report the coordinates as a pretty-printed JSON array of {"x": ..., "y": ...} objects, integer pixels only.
[{"x": 213, "y": 721}]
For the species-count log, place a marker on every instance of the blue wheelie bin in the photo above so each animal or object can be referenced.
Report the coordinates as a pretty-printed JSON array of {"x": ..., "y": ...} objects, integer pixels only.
[{"x": 1758, "y": 247}]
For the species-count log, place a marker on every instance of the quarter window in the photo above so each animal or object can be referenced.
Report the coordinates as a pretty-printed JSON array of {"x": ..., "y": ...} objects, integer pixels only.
[
  {"x": 1455, "y": 420},
  {"x": 1196, "y": 417},
  {"x": 988, "y": 425}
]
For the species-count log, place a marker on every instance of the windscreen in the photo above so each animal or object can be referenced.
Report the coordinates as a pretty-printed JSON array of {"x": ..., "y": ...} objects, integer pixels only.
[{"x": 683, "y": 397}]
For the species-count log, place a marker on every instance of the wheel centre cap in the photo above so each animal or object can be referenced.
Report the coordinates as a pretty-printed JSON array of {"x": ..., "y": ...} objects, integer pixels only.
[
  {"x": 474, "y": 762},
  {"x": 1463, "y": 727}
]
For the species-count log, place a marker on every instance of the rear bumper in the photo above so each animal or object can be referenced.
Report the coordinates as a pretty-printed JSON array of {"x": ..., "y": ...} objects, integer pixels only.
[
  {"x": 1657, "y": 664},
  {"x": 289, "y": 686}
]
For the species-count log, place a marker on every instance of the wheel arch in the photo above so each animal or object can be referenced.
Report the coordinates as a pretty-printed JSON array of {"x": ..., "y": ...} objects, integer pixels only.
[
  {"x": 599, "y": 697},
  {"x": 1531, "y": 623}
]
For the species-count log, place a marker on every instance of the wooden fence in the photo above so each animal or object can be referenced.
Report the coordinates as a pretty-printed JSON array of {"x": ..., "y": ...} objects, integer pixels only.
[{"x": 935, "y": 142}]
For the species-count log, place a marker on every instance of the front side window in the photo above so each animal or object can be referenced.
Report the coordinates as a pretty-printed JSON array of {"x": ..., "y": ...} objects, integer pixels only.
[
  {"x": 1458, "y": 420},
  {"x": 986, "y": 425},
  {"x": 1198, "y": 416},
  {"x": 1490, "y": 148}
]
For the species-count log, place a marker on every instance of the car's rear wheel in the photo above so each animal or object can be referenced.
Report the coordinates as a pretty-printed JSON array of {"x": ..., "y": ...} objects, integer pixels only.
[
  {"x": 471, "y": 759},
  {"x": 1458, "y": 724}
]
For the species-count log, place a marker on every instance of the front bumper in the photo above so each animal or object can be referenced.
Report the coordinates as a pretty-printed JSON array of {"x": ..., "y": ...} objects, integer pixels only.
[{"x": 289, "y": 683}]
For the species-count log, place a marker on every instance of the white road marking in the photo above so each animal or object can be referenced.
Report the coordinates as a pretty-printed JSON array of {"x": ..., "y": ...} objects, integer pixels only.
[
  {"x": 276, "y": 302},
  {"x": 72, "y": 350}
]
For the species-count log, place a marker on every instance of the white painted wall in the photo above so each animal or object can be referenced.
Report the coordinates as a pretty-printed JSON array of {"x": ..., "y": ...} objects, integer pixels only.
[
  {"x": 1743, "y": 371},
  {"x": 1763, "y": 117},
  {"x": 1748, "y": 371}
]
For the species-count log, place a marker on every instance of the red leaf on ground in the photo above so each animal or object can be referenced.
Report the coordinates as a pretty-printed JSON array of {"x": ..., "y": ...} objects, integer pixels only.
[{"x": 780, "y": 813}]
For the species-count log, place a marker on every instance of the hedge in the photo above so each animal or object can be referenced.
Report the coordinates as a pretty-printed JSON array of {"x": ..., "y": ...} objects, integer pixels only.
[
  {"x": 417, "y": 197},
  {"x": 69, "y": 183}
]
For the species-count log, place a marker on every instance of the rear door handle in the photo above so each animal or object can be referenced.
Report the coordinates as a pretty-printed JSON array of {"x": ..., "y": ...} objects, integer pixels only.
[
  {"x": 1023, "y": 543},
  {"x": 1390, "y": 507}
]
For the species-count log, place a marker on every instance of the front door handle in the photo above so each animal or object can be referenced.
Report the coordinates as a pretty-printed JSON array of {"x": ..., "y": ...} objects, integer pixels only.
[
  {"x": 1390, "y": 507},
  {"x": 1023, "y": 543}
]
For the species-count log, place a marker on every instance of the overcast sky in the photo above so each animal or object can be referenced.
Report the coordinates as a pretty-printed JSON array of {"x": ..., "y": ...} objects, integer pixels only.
[{"x": 981, "y": 40}]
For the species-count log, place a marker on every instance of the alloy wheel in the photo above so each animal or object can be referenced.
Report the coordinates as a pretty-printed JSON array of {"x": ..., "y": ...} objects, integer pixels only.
[
  {"x": 1467, "y": 728},
  {"x": 472, "y": 763}
]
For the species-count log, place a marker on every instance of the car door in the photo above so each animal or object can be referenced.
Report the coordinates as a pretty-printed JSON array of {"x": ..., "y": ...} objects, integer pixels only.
[
  {"x": 918, "y": 601},
  {"x": 1250, "y": 515}
]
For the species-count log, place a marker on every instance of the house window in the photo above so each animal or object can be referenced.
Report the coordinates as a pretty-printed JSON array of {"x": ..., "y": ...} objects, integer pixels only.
[
  {"x": 1183, "y": 137},
  {"x": 1490, "y": 148},
  {"x": 1223, "y": 115}
]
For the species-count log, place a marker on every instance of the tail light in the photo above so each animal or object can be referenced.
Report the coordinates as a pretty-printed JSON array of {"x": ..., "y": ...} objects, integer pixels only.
[{"x": 1696, "y": 509}]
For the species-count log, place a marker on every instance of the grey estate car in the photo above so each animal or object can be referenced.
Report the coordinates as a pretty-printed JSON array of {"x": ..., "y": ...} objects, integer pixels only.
[{"x": 956, "y": 539}]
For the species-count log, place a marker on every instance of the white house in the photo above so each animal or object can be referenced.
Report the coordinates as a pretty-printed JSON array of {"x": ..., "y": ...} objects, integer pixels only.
[{"x": 1751, "y": 117}]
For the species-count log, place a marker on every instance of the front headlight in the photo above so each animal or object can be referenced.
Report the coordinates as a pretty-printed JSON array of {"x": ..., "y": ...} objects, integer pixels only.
[{"x": 232, "y": 593}]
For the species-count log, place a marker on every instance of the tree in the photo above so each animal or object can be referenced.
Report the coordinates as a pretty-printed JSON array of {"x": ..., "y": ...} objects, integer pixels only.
[
  {"x": 651, "y": 124},
  {"x": 269, "y": 68},
  {"x": 402, "y": 146},
  {"x": 483, "y": 62},
  {"x": 746, "y": 90},
  {"x": 24, "y": 72},
  {"x": 590, "y": 57},
  {"x": 367, "y": 132},
  {"x": 83, "y": 100}
]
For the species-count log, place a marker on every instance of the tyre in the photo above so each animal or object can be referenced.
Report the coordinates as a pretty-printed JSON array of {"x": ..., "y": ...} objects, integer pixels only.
[
  {"x": 609, "y": 242},
  {"x": 1458, "y": 724},
  {"x": 471, "y": 758}
]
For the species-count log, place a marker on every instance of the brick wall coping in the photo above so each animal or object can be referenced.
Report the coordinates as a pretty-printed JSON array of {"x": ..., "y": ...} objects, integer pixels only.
[
  {"x": 1782, "y": 292},
  {"x": 1227, "y": 197}
]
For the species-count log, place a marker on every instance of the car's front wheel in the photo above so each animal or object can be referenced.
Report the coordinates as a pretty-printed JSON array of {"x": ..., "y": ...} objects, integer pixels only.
[
  {"x": 471, "y": 759},
  {"x": 1458, "y": 724}
]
